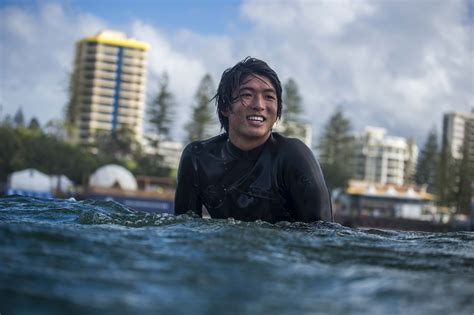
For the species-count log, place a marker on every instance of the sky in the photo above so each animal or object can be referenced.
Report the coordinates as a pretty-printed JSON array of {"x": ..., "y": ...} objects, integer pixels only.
[{"x": 399, "y": 65}]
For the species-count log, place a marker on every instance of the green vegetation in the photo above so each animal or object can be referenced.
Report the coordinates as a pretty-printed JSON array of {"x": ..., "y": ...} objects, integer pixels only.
[
  {"x": 23, "y": 147},
  {"x": 71, "y": 110},
  {"x": 337, "y": 150},
  {"x": 118, "y": 147},
  {"x": 455, "y": 177},
  {"x": 161, "y": 109},
  {"x": 466, "y": 179},
  {"x": 292, "y": 110},
  {"x": 428, "y": 163},
  {"x": 47, "y": 151},
  {"x": 19, "y": 118},
  {"x": 292, "y": 100},
  {"x": 446, "y": 178},
  {"x": 203, "y": 117}
]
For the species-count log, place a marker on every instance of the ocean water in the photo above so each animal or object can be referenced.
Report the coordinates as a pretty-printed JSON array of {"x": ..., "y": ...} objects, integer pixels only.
[{"x": 97, "y": 257}]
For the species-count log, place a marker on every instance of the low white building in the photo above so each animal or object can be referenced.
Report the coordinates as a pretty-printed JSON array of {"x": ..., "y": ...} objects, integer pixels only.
[
  {"x": 296, "y": 129},
  {"x": 168, "y": 149},
  {"x": 384, "y": 159}
]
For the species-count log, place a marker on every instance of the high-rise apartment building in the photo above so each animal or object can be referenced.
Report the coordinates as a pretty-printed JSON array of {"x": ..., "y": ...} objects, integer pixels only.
[
  {"x": 108, "y": 85},
  {"x": 458, "y": 129},
  {"x": 384, "y": 159}
]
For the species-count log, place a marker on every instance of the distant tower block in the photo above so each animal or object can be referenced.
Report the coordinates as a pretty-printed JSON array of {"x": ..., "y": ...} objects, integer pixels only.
[
  {"x": 458, "y": 131},
  {"x": 108, "y": 85}
]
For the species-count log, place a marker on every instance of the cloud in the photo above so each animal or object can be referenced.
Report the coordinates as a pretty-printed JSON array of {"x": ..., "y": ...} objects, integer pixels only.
[
  {"x": 36, "y": 57},
  {"x": 319, "y": 18},
  {"x": 393, "y": 64},
  {"x": 389, "y": 63},
  {"x": 184, "y": 72}
]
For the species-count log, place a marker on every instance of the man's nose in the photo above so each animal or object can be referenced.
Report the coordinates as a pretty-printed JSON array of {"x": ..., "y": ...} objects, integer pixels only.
[{"x": 258, "y": 103}]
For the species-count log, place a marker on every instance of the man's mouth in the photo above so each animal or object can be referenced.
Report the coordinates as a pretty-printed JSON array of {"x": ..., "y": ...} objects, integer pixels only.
[{"x": 256, "y": 118}]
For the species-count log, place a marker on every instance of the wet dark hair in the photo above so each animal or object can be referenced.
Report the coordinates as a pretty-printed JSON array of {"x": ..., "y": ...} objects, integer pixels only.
[{"x": 233, "y": 77}]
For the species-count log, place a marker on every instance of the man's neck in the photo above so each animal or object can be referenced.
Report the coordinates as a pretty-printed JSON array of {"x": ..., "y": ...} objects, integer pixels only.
[{"x": 248, "y": 144}]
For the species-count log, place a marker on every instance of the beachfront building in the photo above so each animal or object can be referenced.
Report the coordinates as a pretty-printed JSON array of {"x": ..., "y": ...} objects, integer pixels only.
[
  {"x": 108, "y": 85},
  {"x": 458, "y": 129},
  {"x": 384, "y": 159},
  {"x": 389, "y": 201},
  {"x": 170, "y": 150}
]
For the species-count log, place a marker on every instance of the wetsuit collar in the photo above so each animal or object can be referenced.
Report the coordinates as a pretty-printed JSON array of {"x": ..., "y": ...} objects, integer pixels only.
[{"x": 241, "y": 154}]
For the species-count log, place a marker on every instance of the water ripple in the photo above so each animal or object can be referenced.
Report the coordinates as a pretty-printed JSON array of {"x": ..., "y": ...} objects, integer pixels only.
[{"x": 95, "y": 257}]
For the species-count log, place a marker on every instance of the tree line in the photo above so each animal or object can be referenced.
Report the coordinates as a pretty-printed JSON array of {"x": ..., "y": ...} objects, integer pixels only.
[{"x": 50, "y": 150}]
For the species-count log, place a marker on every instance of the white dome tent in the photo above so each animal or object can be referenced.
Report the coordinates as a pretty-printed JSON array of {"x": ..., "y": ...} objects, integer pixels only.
[
  {"x": 29, "y": 182},
  {"x": 115, "y": 183},
  {"x": 111, "y": 175}
]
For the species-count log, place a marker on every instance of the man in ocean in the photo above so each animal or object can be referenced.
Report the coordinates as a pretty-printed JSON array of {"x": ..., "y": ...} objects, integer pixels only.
[{"x": 249, "y": 172}]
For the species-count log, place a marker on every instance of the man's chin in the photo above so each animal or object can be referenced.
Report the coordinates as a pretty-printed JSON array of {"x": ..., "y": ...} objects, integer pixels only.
[{"x": 258, "y": 134}]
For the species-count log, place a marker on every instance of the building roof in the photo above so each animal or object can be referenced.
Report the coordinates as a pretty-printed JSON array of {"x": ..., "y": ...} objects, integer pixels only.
[
  {"x": 116, "y": 39},
  {"x": 364, "y": 188}
]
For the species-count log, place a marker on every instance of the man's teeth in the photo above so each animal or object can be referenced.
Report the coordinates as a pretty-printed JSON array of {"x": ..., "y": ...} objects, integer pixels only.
[{"x": 255, "y": 118}]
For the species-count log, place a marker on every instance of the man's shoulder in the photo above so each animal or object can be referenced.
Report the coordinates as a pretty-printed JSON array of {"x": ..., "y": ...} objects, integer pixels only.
[
  {"x": 287, "y": 145},
  {"x": 196, "y": 147}
]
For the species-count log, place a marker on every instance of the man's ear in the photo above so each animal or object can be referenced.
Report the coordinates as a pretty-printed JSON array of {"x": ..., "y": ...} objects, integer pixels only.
[{"x": 225, "y": 112}]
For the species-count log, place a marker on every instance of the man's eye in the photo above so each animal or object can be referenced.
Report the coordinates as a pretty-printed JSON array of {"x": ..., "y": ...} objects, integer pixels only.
[
  {"x": 245, "y": 95},
  {"x": 270, "y": 97}
]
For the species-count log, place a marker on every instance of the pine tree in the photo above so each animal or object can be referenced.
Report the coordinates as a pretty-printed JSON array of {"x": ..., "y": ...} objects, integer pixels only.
[
  {"x": 466, "y": 172},
  {"x": 292, "y": 109},
  {"x": 7, "y": 121},
  {"x": 117, "y": 146},
  {"x": 71, "y": 111},
  {"x": 57, "y": 129},
  {"x": 19, "y": 118},
  {"x": 337, "y": 150},
  {"x": 409, "y": 171},
  {"x": 202, "y": 119},
  {"x": 446, "y": 178},
  {"x": 428, "y": 162},
  {"x": 161, "y": 108},
  {"x": 466, "y": 176},
  {"x": 34, "y": 124},
  {"x": 161, "y": 114}
]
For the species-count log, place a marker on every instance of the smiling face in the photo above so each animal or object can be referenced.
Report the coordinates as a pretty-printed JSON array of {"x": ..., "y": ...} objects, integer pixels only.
[{"x": 253, "y": 113}]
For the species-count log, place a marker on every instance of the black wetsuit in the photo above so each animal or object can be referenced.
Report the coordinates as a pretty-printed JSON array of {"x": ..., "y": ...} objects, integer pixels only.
[{"x": 277, "y": 181}]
